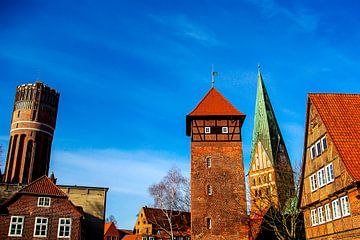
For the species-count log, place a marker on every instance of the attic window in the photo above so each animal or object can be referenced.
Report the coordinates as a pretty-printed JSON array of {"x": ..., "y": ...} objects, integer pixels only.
[
  {"x": 44, "y": 202},
  {"x": 207, "y": 130}
]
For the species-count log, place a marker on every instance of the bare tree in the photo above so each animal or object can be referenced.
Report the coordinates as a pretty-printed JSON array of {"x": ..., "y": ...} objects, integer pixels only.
[
  {"x": 282, "y": 219},
  {"x": 112, "y": 219},
  {"x": 172, "y": 196}
]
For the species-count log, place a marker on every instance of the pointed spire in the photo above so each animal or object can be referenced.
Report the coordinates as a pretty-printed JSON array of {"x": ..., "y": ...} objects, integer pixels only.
[{"x": 266, "y": 129}]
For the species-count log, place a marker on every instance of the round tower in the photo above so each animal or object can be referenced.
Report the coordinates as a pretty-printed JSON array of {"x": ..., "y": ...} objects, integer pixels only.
[{"x": 32, "y": 128}]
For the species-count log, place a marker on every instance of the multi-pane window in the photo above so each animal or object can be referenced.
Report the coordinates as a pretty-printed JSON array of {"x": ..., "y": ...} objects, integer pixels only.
[
  {"x": 151, "y": 238},
  {"x": 329, "y": 173},
  {"x": 328, "y": 212},
  {"x": 313, "y": 182},
  {"x": 321, "y": 177},
  {"x": 44, "y": 202},
  {"x": 64, "y": 228},
  {"x": 321, "y": 215},
  {"x": 336, "y": 209},
  {"x": 16, "y": 226},
  {"x": 314, "y": 221},
  {"x": 345, "y": 206},
  {"x": 144, "y": 238},
  {"x": 323, "y": 143},
  {"x": 207, "y": 130},
  {"x": 40, "y": 228},
  {"x": 224, "y": 129}
]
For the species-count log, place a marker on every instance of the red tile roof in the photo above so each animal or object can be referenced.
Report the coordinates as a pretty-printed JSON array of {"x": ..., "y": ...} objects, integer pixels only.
[
  {"x": 43, "y": 186},
  {"x": 132, "y": 237},
  {"x": 107, "y": 226},
  {"x": 215, "y": 104},
  {"x": 341, "y": 116}
]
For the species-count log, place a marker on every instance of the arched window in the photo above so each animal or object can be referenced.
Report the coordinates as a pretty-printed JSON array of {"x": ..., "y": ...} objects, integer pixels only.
[{"x": 208, "y": 223}]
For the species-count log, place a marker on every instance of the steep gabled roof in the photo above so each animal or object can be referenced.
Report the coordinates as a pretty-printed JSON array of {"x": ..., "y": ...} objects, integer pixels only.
[
  {"x": 341, "y": 116},
  {"x": 43, "y": 186},
  {"x": 266, "y": 128},
  {"x": 215, "y": 104},
  {"x": 180, "y": 220}
]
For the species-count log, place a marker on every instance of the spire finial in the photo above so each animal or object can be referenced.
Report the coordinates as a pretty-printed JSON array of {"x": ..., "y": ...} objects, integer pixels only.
[
  {"x": 259, "y": 68},
  {"x": 213, "y": 75}
]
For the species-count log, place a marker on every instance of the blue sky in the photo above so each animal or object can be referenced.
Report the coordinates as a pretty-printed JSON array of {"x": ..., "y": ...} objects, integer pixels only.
[{"x": 129, "y": 71}]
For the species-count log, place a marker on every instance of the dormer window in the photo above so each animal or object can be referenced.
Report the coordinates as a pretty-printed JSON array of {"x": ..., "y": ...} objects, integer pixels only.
[
  {"x": 44, "y": 202},
  {"x": 225, "y": 130},
  {"x": 207, "y": 130}
]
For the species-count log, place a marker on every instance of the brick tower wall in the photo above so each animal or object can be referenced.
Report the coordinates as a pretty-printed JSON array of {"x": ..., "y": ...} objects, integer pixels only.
[
  {"x": 32, "y": 128},
  {"x": 226, "y": 205}
]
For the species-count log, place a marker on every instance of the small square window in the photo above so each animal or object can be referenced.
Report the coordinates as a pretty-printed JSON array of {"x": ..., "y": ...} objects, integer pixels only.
[
  {"x": 207, "y": 130},
  {"x": 44, "y": 202},
  {"x": 225, "y": 130}
]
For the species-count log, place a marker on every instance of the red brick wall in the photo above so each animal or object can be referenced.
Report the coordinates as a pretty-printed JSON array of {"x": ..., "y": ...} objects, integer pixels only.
[
  {"x": 227, "y": 204},
  {"x": 26, "y": 206}
]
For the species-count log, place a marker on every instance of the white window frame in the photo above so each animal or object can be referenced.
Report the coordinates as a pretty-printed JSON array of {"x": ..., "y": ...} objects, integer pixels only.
[
  {"x": 207, "y": 130},
  {"x": 44, "y": 202},
  {"x": 14, "y": 221},
  {"x": 336, "y": 209},
  {"x": 225, "y": 130},
  {"x": 321, "y": 215},
  {"x": 151, "y": 238},
  {"x": 64, "y": 225},
  {"x": 313, "y": 215},
  {"x": 40, "y": 225},
  {"x": 322, "y": 143},
  {"x": 313, "y": 182},
  {"x": 208, "y": 162},
  {"x": 321, "y": 177},
  {"x": 345, "y": 206},
  {"x": 328, "y": 212},
  {"x": 329, "y": 173},
  {"x": 312, "y": 156},
  {"x": 144, "y": 238},
  {"x": 318, "y": 148}
]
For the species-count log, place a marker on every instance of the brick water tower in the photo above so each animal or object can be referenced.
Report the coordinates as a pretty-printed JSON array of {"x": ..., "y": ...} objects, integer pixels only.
[
  {"x": 218, "y": 198},
  {"x": 32, "y": 128}
]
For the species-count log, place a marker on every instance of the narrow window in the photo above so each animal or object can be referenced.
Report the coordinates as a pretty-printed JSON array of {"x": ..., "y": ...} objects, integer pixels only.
[
  {"x": 209, "y": 190},
  {"x": 256, "y": 193},
  {"x": 208, "y": 162},
  {"x": 312, "y": 151},
  {"x": 64, "y": 228},
  {"x": 328, "y": 212},
  {"x": 314, "y": 221},
  {"x": 323, "y": 143},
  {"x": 44, "y": 202},
  {"x": 321, "y": 215},
  {"x": 207, "y": 130},
  {"x": 318, "y": 148},
  {"x": 208, "y": 223},
  {"x": 345, "y": 206},
  {"x": 270, "y": 176},
  {"x": 259, "y": 192},
  {"x": 16, "y": 226},
  {"x": 329, "y": 173},
  {"x": 313, "y": 182},
  {"x": 336, "y": 209},
  {"x": 265, "y": 179},
  {"x": 254, "y": 180},
  {"x": 321, "y": 177},
  {"x": 40, "y": 228},
  {"x": 225, "y": 130},
  {"x": 18, "y": 114},
  {"x": 259, "y": 180}
]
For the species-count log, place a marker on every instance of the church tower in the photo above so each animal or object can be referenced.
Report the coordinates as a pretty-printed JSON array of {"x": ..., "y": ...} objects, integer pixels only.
[
  {"x": 270, "y": 177},
  {"x": 31, "y": 133},
  {"x": 218, "y": 199}
]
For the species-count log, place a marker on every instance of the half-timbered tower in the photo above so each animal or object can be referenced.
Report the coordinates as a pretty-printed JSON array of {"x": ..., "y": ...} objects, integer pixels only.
[
  {"x": 32, "y": 128},
  {"x": 270, "y": 176},
  {"x": 218, "y": 200},
  {"x": 330, "y": 186}
]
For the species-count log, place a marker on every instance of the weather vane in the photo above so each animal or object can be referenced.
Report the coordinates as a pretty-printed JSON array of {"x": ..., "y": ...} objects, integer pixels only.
[{"x": 213, "y": 75}]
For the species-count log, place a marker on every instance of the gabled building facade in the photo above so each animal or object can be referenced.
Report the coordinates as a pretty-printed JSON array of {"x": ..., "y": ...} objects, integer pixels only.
[
  {"x": 156, "y": 224},
  {"x": 41, "y": 210},
  {"x": 218, "y": 198},
  {"x": 271, "y": 180},
  {"x": 330, "y": 186},
  {"x": 111, "y": 232}
]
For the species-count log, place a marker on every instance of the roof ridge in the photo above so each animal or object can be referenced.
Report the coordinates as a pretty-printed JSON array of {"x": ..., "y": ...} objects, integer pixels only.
[{"x": 55, "y": 192}]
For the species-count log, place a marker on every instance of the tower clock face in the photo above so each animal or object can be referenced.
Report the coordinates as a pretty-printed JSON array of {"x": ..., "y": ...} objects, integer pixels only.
[{"x": 261, "y": 158}]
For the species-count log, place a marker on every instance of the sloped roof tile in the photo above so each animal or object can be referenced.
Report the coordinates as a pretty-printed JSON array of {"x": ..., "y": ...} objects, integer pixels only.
[
  {"x": 341, "y": 116},
  {"x": 43, "y": 186}
]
